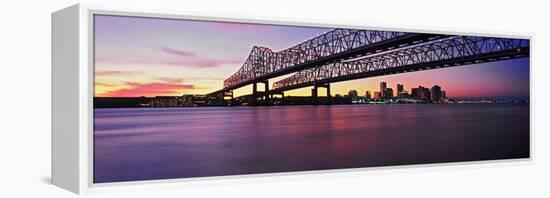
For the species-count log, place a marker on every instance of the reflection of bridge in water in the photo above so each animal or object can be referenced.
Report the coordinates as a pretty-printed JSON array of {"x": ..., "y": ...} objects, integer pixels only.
[{"x": 347, "y": 54}]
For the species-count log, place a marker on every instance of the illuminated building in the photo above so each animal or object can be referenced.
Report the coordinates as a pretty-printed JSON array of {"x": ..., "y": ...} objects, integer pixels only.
[{"x": 166, "y": 101}]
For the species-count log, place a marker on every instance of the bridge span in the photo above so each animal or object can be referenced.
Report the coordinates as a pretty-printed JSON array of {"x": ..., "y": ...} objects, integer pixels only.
[
  {"x": 263, "y": 64},
  {"x": 345, "y": 54},
  {"x": 442, "y": 53}
]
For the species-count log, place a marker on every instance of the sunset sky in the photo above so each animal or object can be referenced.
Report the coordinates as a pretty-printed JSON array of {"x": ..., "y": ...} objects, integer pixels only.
[{"x": 137, "y": 56}]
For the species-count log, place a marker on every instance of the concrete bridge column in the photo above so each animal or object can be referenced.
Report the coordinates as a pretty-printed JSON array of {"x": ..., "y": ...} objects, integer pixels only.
[
  {"x": 228, "y": 94},
  {"x": 254, "y": 99},
  {"x": 266, "y": 92},
  {"x": 260, "y": 94},
  {"x": 220, "y": 97},
  {"x": 315, "y": 93},
  {"x": 254, "y": 89},
  {"x": 329, "y": 97}
]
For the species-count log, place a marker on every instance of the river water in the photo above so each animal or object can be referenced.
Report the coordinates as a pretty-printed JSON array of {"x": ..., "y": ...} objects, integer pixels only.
[{"x": 163, "y": 143}]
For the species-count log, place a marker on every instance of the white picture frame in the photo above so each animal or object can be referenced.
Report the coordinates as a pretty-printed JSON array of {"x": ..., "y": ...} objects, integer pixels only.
[{"x": 72, "y": 98}]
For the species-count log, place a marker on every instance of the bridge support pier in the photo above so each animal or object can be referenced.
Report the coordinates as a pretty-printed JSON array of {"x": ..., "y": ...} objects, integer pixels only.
[
  {"x": 221, "y": 97},
  {"x": 264, "y": 95},
  {"x": 227, "y": 94},
  {"x": 315, "y": 93}
]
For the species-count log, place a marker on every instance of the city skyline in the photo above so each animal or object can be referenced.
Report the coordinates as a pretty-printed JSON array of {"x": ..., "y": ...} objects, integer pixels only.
[{"x": 131, "y": 60}]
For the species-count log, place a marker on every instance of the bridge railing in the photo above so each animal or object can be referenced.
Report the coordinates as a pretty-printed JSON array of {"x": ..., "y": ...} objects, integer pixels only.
[
  {"x": 262, "y": 61},
  {"x": 450, "y": 51}
]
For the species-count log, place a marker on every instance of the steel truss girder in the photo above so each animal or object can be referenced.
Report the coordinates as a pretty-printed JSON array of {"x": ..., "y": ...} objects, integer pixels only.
[
  {"x": 263, "y": 61},
  {"x": 450, "y": 51}
]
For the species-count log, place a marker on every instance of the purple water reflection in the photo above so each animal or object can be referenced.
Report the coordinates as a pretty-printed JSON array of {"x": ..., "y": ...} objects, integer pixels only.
[{"x": 162, "y": 143}]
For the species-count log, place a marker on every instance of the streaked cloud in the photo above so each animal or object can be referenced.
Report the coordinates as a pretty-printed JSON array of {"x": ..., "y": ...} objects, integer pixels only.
[
  {"x": 199, "y": 63},
  {"x": 177, "y": 52},
  {"x": 190, "y": 59},
  {"x": 116, "y": 73},
  {"x": 158, "y": 56},
  {"x": 170, "y": 80},
  {"x": 135, "y": 89},
  {"x": 103, "y": 84}
]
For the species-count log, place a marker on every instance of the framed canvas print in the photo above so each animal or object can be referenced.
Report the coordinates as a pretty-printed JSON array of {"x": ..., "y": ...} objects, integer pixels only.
[{"x": 152, "y": 97}]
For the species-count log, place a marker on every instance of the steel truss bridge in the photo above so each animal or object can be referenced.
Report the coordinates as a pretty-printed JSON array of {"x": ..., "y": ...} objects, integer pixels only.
[{"x": 348, "y": 54}]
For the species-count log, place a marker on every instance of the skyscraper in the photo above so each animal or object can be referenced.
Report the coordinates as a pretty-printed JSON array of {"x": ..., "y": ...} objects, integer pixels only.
[
  {"x": 383, "y": 87},
  {"x": 420, "y": 93},
  {"x": 400, "y": 88},
  {"x": 367, "y": 95},
  {"x": 436, "y": 94},
  {"x": 389, "y": 93}
]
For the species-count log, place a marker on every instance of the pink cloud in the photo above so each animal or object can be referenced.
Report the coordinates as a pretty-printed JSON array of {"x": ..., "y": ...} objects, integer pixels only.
[
  {"x": 177, "y": 52},
  {"x": 170, "y": 80},
  {"x": 149, "y": 89},
  {"x": 183, "y": 58},
  {"x": 199, "y": 63},
  {"x": 192, "y": 60},
  {"x": 104, "y": 84}
]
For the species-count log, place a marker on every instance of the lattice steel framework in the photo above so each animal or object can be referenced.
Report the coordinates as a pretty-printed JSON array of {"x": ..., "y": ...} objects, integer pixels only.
[
  {"x": 450, "y": 51},
  {"x": 263, "y": 61}
]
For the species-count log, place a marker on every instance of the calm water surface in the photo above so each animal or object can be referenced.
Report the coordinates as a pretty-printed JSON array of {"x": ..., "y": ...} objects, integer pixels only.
[{"x": 162, "y": 143}]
